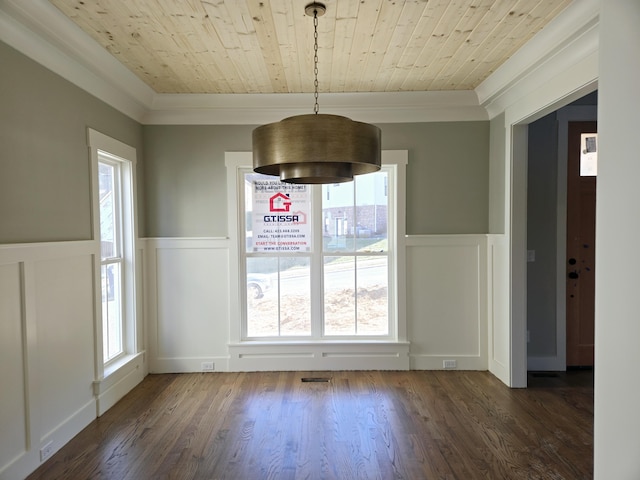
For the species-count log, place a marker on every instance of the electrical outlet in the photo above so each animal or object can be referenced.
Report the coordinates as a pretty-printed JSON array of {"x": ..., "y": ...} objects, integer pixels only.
[
  {"x": 449, "y": 364},
  {"x": 207, "y": 366},
  {"x": 528, "y": 336},
  {"x": 46, "y": 451}
]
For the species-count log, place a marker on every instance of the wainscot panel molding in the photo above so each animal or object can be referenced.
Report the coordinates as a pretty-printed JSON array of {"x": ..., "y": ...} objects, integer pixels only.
[
  {"x": 329, "y": 355},
  {"x": 447, "y": 301},
  {"x": 188, "y": 312},
  {"x": 498, "y": 252},
  {"x": 187, "y": 303},
  {"x": 47, "y": 350}
]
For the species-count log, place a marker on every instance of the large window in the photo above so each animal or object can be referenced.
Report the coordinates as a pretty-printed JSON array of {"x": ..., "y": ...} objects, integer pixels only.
[
  {"x": 114, "y": 226},
  {"x": 318, "y": 260}
]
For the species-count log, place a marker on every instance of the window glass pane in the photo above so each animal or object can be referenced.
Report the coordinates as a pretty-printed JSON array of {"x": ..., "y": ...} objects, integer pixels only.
[
  {"x": 277, "y": 215},
  {"x": 371, "y": 212},
  {"x": 262, "y": 297},
  {"x": 111, "y": 311},
  {"x": 588, "y": 154},
  {"x": 338, "y": 217},
  {"x": 108, "y": 218},
  {"x": 295, "y": 296},
  {"x": 372, "y": 312},
  {"x": 278, "y": 296},
  {"x": 339, "y": 298}
]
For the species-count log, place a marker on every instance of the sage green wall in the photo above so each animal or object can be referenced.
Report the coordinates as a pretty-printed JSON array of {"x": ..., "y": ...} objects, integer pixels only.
[
  {"x": 44, "y": 160},
  {"x": 447, "y": 176},
  {"x": 497, "y": 180}
]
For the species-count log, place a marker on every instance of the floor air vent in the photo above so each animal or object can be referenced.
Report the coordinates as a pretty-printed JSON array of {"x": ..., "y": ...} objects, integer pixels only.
[{"x": 315, "y": 379}]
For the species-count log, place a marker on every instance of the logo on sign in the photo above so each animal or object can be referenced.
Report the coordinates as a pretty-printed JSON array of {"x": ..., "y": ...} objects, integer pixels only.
[{"x": 279, "y": 203}]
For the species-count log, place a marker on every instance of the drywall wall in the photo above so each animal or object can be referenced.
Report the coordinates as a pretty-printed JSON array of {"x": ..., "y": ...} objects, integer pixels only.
[
  {"x": 44, "y": 161},
  {"x": 497, "y": 185},
  {"x": 447, "y": 176}
]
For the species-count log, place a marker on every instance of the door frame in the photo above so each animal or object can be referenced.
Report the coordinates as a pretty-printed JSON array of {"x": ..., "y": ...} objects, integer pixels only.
[
  {"x": 517, "y": 119},
  {"x": 564, "y": 115}
]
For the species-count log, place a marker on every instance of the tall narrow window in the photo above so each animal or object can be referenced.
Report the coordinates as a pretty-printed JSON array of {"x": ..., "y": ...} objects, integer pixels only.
[
  {"x": 113, "y": 164},
  {"x": 111, "y": 256}
]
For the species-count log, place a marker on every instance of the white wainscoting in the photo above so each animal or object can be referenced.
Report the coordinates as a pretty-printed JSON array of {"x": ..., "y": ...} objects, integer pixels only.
[
  {"x": 499, "y": 320},
  {"x": 447, "y": 301},
  {"x": 189, "y": 320},
  {"x": 50, "y": 382},
  {"x": 187, "y": 305},
  {"x": 47, "y": 361}
]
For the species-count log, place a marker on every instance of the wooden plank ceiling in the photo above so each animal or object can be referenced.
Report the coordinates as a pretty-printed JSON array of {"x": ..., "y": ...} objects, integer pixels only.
[{"x": 266, "y": 46}]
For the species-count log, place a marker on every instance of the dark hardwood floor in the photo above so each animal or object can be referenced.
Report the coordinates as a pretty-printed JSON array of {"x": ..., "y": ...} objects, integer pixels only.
[{"x": 360, "y": 425}]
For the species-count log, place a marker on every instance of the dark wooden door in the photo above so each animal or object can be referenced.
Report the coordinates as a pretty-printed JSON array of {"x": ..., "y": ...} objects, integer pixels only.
[{"x": 581, "y": 245}]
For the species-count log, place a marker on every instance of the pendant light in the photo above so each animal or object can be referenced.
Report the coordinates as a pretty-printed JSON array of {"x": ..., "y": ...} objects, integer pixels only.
[{"x": 316, "y": 148}]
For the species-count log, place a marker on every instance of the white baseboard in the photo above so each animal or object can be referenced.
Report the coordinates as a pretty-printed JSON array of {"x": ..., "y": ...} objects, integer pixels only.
[
  {"x": 59, "y": 436},
  {"x": 435, "y": 362},
  {"x": 120, "y": 382},
  {"x": 189, "y": 365}
]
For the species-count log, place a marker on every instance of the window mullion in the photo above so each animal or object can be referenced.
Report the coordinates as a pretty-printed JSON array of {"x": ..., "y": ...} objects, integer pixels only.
[{"x": 317, "y": 266}]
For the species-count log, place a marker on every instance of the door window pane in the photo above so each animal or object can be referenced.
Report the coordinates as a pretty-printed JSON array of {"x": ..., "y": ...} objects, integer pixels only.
[{"x": 588, "y": 154}]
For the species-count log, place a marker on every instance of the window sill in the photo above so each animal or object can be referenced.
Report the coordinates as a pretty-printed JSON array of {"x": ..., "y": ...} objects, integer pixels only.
[
  {"x": 117, "y": 371},
  {"x": 297, "y": 342}
]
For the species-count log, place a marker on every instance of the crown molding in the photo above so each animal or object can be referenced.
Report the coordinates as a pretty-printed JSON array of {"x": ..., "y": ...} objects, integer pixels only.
[
  {"x": 40, "y": 31},
  {"x": 569, "y": 40},
  {"x": 254, "y": 109}
]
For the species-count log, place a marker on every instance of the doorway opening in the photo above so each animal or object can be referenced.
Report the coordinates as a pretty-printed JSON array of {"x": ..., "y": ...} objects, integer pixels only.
[{"x": 549, "y": 214}]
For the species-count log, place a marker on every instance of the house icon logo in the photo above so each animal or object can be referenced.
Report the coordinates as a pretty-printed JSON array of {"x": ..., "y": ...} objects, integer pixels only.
[{"x": 279, "y": 203}]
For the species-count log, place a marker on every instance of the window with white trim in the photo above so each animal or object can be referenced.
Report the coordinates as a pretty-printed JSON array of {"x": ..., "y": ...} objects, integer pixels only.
[
  {"x": 111, "y": 255},
  {"x": 114, "y": 225},
  {"x": 318, "y": 262}
]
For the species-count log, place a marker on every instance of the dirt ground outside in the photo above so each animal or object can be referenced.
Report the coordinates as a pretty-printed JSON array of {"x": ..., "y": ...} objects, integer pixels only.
[{"x": 340, "y": 314}]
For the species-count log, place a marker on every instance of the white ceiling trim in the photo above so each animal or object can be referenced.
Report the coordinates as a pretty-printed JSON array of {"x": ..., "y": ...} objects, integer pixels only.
[
  {"x": 254, "y": 109},
  {"x": 565, "y": 41}
]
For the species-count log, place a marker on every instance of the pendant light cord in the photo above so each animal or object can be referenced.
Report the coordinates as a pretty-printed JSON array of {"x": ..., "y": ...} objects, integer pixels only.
[{"x": 316, "y": 107}]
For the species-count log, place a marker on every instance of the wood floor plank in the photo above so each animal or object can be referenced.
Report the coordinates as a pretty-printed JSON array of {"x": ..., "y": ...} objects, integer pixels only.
[{"x": 359, "y": 425}]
